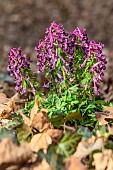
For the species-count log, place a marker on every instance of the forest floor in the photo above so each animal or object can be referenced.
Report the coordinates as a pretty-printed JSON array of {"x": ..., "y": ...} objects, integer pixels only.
[{"x": 33, "y": 143}]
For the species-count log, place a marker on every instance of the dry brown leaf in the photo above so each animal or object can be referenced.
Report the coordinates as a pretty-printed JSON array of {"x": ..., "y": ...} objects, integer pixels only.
[
  {"x": 40, "y": 121},
  {"x": 110, "y": 109},
  {"x": 37, "y": 120},
  {"x": 105, "y": 118},
  {"x": 103, "y": 160},
  {"x": 11, "y": 154},
  {"x": 5, "y": 111},
  {"x": 84, "y": 148},
  {"x": 34, "y": 110},
  {"x": 3, "y": 98},
  {"x": 26, "y": 119},
  {"x": 16, "y": 97},
  {"x": 42, "y": 166},
  {"x": 40, "y": 141},
  {"x": 9, "y": 101},
  {"x": 74, "y": 163},
  {"x": 7, "y": 105},
  {"x": 55, "y": 134}
]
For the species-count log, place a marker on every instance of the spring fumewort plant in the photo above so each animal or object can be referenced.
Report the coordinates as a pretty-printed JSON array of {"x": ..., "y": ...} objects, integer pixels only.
[
  {"x": 71, "y": 58},
  {"x": 73, "y": 65}
]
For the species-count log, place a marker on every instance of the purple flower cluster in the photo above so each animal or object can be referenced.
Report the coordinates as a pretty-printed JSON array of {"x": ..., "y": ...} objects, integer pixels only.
[
  {"x": 19, "y": 67},
  {"x": 92, "y": 51},
  {"x": 57, "y": 37},
  {"x": 47, "y": 51}
]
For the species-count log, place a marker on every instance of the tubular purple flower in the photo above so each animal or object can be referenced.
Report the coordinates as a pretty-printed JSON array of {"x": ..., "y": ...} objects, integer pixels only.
[
  {"x": 47, "y": 50},
  {"x": 19, "y": 67},
  {"x": 91, "y": 50},
  {"x": 58, "y": 38}
]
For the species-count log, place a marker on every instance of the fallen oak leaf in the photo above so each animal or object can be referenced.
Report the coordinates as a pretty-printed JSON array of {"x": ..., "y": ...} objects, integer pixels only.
[
  {"x": 40, "y": 121},
  {"x": 16, "y": 97},
  {"x": 3, "y": 98},
  {"x": 103, "y": 160},
  {"x": 37, "y": 120},
  {"x": 11, "y": 154},
  {"x": 40, "y": 141},
  {"x": 9, "y": 101},
  {"x": 5, "y": 111},
  {"x": 55, "y": 134},
  {"x": 7, "y": 105},
  {"x": 85, "y": 147},
  {"x": 74, "y": 163}
]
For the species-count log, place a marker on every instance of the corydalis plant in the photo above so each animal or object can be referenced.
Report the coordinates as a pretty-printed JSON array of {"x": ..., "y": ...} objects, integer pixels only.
[
  {"x": 70, "y": 58},
  {"x": 19, "y": 67},
  {"x": 93, "y": 59},
  {"x": 50, "y": 54}
]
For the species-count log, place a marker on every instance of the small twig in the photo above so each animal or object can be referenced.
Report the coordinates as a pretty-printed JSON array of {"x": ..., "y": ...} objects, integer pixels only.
[{"x": 67, "y": 128}]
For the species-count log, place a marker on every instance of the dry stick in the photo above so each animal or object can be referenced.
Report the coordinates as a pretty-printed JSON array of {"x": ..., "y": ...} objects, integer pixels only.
[{"x": 67, "y": 128}]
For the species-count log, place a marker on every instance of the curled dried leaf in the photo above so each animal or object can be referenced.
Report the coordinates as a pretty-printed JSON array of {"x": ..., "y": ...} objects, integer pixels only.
[
  {"x": 5, "y": 111},
  {"x": 103, "y": 160},
  {"x": 3, "y": 98},
  {"x": 40, "y": 141},
  {"x": 40, "y": 121},
  {"x": 55, "y": 134},
  {"x": 85, "y": 147},
  {"x": 106, "y": 116},
  {"x": 7, "y": 105},
  {"x": 74, "y": 163},
  {"x": 11, "y": 154}
]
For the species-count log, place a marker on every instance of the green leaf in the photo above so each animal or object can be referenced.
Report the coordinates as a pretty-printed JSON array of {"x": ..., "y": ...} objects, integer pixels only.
[
  {"x": 74, "y": 88},
  {"x": 82, "y": 103},
  {"x": 5, "y": 133},
  {"x": 75, "y": 102},
  {"x": 58, "y": 62},
  {"x": 102, "y": 102},
  {"x": 24, "y": 84},
  {"x": 11, "y": 124},
  {"x": 24, "y": 133},
  {"x": 67, "y": 144},
  {"x": 74, "y": 115},
  {"x": 54, "y": 159},
  {"x": 84, "y": 132},
  {"x": 84, "y": 81},
  {"x": 57, "y": 121},
  {"x": 109, "y": 145}
]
